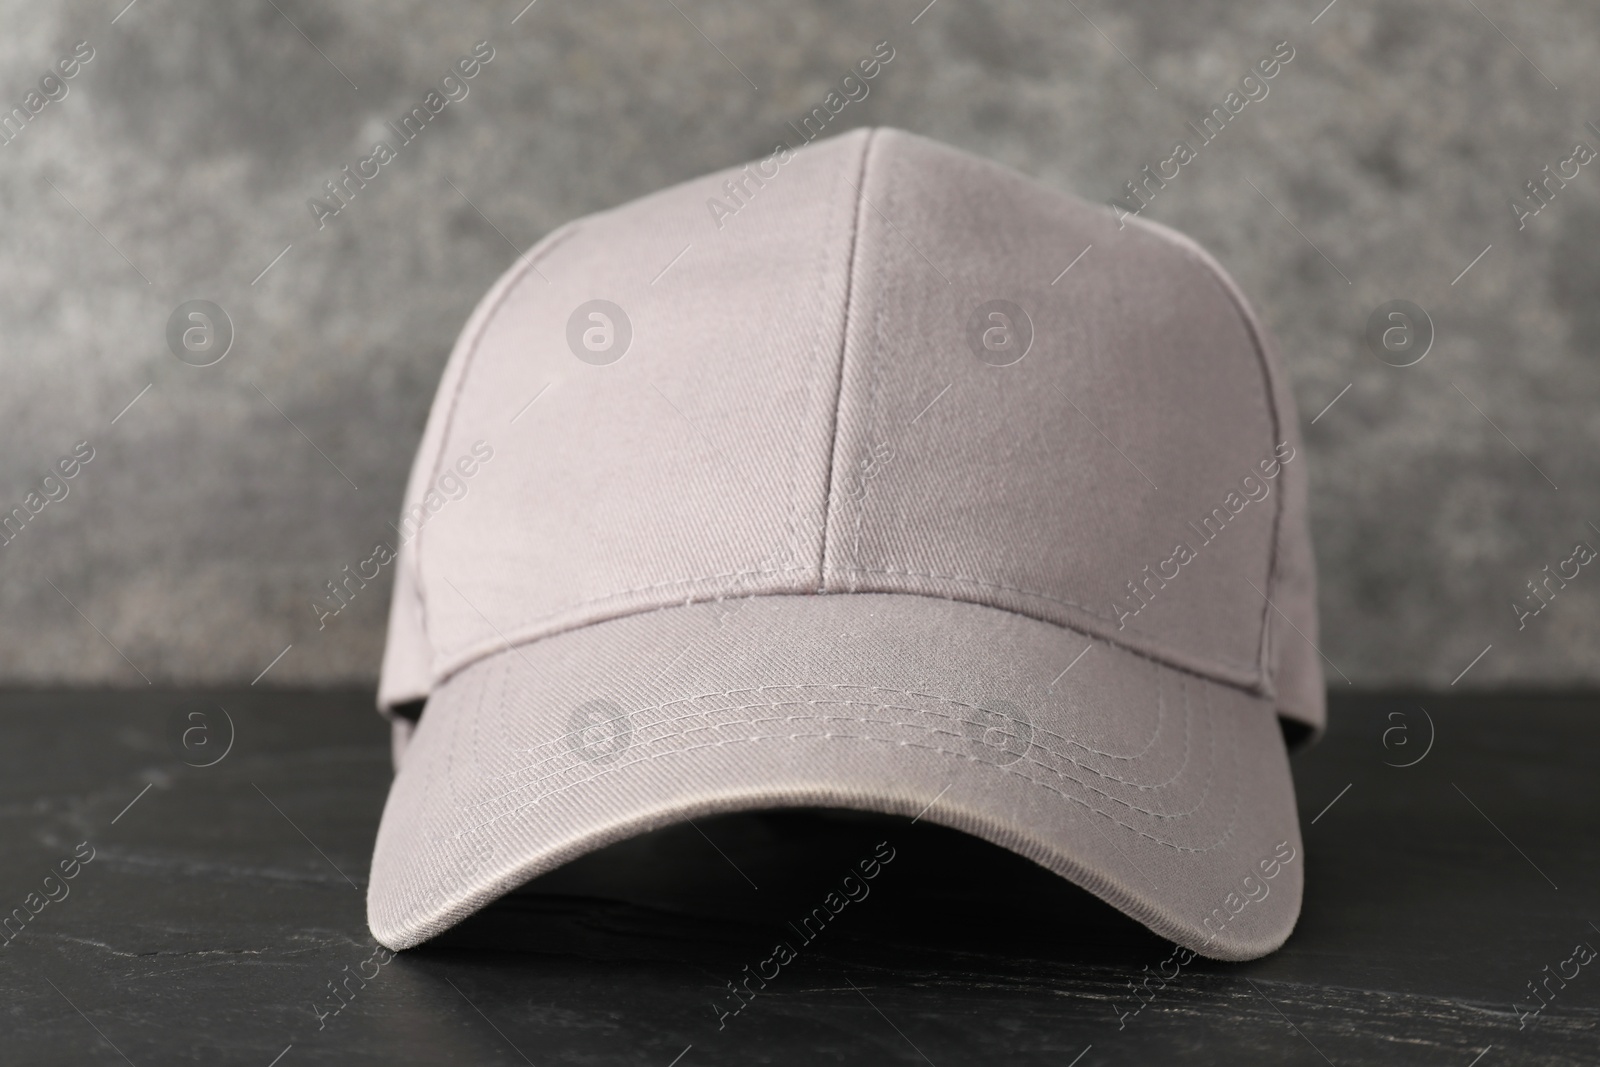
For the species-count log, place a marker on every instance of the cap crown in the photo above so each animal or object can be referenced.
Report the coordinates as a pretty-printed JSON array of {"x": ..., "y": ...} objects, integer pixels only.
[{"x": 865, "y": 371}]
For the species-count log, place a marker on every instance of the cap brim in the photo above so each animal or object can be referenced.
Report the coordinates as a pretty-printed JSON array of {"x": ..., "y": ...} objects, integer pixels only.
[{"x": 1166, "y": 795}]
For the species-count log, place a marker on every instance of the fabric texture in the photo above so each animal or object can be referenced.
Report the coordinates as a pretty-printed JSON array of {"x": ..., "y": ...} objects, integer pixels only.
[{"x": 846, "y": 478}]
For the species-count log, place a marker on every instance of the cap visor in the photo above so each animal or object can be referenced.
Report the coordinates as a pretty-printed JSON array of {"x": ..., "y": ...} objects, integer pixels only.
[{"x": 1166, "y": 795}]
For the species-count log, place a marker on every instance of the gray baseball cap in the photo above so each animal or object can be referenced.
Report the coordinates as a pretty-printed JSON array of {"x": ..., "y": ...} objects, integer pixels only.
[{"x": 870, "y": 475}]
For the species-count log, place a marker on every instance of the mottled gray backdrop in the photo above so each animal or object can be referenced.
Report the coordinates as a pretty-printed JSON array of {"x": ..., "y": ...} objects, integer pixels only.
[{"x": 180, "y": 160}]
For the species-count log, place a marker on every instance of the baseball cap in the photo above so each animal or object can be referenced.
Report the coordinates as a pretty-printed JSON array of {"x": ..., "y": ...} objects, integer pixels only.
[{"x": 873, "y": 476}]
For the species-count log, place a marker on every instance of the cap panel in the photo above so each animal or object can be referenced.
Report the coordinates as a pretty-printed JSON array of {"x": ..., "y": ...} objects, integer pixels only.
[
  {"x": 1290, "y": 601},
  {"x": 1100, "y": 479},
  {"x": 692, "y": 466},
  {"x": 408, "y": 657}
]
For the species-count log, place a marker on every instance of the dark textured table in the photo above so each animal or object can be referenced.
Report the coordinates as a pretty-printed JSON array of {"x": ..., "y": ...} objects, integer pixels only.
[{"x": 215, "y": 914}]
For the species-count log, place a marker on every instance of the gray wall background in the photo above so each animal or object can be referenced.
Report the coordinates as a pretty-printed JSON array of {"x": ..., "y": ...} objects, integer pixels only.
[{"x": 182, "y": 157}]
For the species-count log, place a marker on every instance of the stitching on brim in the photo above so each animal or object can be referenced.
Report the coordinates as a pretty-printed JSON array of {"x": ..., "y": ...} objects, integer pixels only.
[{"x": 1010, "y": 768}]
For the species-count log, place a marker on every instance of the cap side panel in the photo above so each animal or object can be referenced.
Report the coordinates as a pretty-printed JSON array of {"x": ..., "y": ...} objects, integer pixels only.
[
  {"x": 476, "y": 330},
  {"x": 407, "y": 668},
  {"x": 1289, "y": 623},
  {"x": 1253, "y": 326}
]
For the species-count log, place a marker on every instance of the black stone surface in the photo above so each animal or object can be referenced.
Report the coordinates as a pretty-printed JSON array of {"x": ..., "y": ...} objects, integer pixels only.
[{"x": 223, "y": 902}]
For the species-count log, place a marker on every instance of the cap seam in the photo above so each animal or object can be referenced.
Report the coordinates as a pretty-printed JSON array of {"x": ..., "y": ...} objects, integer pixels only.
[
  {"x": 844, "y": 344},
  {"x": 875, "y": 368},
  {"x": 1169, "y": 658}
]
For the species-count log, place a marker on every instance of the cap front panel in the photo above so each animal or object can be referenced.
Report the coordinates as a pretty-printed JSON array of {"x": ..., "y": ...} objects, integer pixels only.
[
  {"x": 1093, "y": 446},
  {"x": 658, "y": 395}
]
